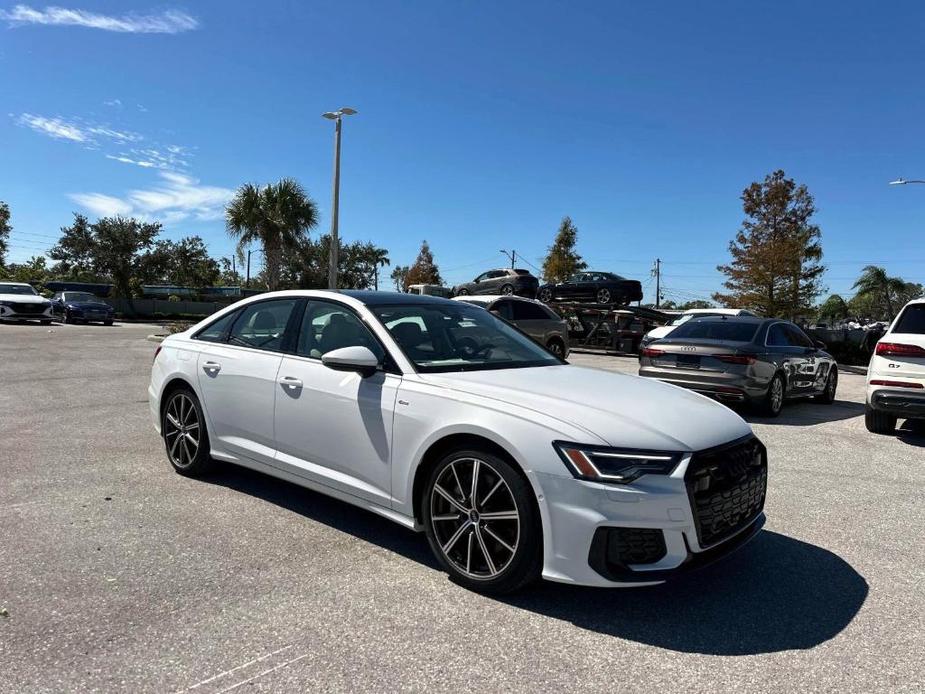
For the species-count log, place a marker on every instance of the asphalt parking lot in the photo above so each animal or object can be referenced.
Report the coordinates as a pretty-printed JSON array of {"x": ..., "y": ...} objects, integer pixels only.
[{"x": 117, "y": 574}]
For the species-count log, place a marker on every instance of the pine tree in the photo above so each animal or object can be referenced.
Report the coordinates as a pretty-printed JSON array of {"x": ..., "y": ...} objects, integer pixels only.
[
  {"x": 424, "y": 270},
  {"x": 775, "y": 268},
  {"x": 562, "y": 261}
]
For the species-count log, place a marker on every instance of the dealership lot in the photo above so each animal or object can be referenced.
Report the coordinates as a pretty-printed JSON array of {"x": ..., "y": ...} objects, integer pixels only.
[{"x": 117, "y": 573}]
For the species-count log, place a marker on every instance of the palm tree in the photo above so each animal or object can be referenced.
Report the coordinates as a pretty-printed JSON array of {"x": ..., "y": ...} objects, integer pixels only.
[
  {"x": 277, "y": 216},
  {"x": 379, "y": 258},
  {"x": 875, "y": 282}
]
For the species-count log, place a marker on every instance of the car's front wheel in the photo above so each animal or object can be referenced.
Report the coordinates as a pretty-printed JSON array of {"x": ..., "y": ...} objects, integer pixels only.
[
  {"x": 879, "y": 422},
  {"x": 603, "y": 296},
  {"x": 556, "y": 346},
  {"x": 481, "y": 522},
  {"x": 185, "y": 436},
  {"x": 462, "y": 292}
]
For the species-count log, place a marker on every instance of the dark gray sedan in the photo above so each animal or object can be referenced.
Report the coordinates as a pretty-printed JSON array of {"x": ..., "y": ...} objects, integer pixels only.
[
  {"x": 540, "y": 322},
  {"x": 739, "y": 359}
]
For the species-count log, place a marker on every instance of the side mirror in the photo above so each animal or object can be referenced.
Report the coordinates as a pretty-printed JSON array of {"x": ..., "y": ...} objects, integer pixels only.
[{"x": 356, "y": 358}]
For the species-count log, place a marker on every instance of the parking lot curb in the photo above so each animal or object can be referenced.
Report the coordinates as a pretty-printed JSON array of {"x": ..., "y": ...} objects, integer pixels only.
[{"x": 155, "y": 338}]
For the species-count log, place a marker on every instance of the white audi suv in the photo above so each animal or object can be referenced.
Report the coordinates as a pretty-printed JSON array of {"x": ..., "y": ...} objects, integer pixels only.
[{"x": 447, "y": 420}]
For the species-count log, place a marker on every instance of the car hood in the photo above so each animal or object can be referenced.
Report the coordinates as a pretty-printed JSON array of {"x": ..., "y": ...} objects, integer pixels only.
[
  {"x": 619, "y": 409},
  {"x": 24, "y": 298},
  {"x": 87, "y": 304}
]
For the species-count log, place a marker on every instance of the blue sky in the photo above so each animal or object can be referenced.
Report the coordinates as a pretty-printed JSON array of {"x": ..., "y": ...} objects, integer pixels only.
[{"x": 480, "y": 124}]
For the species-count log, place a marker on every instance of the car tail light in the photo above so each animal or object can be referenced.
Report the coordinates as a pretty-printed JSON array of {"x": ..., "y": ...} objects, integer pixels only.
[
  {"x": 746, "y": 359},
  {"x": 156, "y": 352},
  {"x": 652, "y": 352},
  {"x": 897, "y": 349},
  {"x": 896, "y": 384}
]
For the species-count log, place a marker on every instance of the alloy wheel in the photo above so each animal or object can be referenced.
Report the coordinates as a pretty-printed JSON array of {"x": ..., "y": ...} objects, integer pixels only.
[
  {"x": 475, "y": 518},
  {"x": 545, "y": 296},
  {"x": 777, "y": 394},
  {"x": 603, "y": 296},
  {"x": 556, "y": 348},
  {"x": 831, "y": 385},
  {"x": 507, "y": 290},
  {"x": 181, "y": 430}
]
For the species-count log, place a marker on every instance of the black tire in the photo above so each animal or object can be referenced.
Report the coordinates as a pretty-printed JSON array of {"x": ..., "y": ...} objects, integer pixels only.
[
  {"x": 462, "y": 292},
  {"x": 188, "y": 454},
  {"x": 557, "y": 347},
  {"x": 477, "y": 554},
  {"x": 45, "y": 322},
  {"x": 67, "y": 317},
  {"x": 603, "y": 296},
  {"x": 879, "y": 422},
  {"x": 507, "y": 289},
  {"x": 107, "y": 322},
  {"x": 773, "y": 401},
  {"x": 827, "y": 396},
  {"x": 544, "y": 295}
]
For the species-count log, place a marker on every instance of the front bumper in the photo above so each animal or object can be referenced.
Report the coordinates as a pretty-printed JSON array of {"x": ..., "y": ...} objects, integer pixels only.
[
  {"x": 578, "y": 516},
  {"x": 28, "y": 313},
  {"x": 910, "y": 403}
]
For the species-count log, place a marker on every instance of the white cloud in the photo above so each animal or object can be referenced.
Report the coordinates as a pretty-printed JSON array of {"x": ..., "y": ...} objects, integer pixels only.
[
  {"x": 115, "y": 103},
  {"x": 177, "y": 198},
  {"x": 57, "y": 128},
  {"x": 75, "y": 130},
  {"x": 167, "y": 22},
  {"x": 151, "y": 158}
]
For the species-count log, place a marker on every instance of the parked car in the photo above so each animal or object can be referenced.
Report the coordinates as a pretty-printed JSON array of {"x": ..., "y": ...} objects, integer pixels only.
[
  {"x": 430, "y": 290},
  {"x": 896, "y": 373},
  {"x": 73, "y": 307},
  {"x": 743, "y": 359},
  {"x": 445, "y": 419},
  {"x": 20, "y": 302},
  {"x": 501, "y": 281},
  {"x": 665, "y": 330},
  {"x": 599, "y": 287},
  {"x": 536, "y": 319}
]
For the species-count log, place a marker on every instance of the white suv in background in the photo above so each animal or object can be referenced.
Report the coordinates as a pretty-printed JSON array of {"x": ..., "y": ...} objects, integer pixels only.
[
  {"x": 896, "y": 374},
  {"x": 664, "y": 330}
]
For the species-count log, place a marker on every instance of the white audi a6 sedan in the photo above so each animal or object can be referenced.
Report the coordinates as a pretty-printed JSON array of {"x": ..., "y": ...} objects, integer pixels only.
[{"x": 446, "y": 419}]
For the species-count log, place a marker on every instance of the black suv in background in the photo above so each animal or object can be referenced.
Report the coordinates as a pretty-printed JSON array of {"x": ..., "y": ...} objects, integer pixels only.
[
  {"x": 599, "y": 287},
  {"x": 502, "y": 281}
]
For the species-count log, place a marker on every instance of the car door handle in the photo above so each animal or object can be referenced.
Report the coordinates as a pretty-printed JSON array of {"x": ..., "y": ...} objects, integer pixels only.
[
  {"x": 211, "y": 367},
  {"x": 290, "y": 382}
]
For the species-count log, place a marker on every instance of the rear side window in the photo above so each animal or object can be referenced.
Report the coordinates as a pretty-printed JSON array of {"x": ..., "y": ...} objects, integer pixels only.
[
  {"x": 524, "y": 310},
  {"x": 216, "y": 331},
  {"x": 731, "y": 331},
  {"x": 912, "y": 320},
  {"x": 503, "y": 309},
  {"x": 262, "y": 325}
]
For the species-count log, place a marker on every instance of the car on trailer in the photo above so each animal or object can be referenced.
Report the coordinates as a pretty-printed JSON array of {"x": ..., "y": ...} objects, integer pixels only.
[
  {"x": 506, "y": 281},
  {"x": 596, "y": 287},
  {"x": 533, "y": 317},
  {"x": 743, "y": 360}
]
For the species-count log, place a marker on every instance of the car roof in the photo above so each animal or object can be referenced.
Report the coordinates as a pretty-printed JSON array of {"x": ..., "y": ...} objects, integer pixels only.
[
  {"x": 718, "y": 311},
  {"x": 738, "y": 319},
  {"x": 15, "y": 284},
  {"x": 374, "y": 298},
  {"x": 491, "y": 298}
]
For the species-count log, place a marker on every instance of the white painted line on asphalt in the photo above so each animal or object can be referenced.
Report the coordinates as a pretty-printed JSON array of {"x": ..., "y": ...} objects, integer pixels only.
[
  {"x": 265, "y": 672},
  {"x": 234, "y": 669}
]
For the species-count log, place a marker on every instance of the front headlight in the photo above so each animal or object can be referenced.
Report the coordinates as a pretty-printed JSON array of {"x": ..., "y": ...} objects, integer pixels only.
[{"x": 614, "y": 465}]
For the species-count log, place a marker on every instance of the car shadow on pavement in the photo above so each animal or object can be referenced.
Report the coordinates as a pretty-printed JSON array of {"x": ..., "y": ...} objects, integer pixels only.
[
  {"x": 801, "y": 413},
  {"x": 912, "y": 433},
  {"x": 776, "y": 594}
]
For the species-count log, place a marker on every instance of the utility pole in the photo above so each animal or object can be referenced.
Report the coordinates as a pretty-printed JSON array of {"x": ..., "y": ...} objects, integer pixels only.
[
  {"x": 512, "y": 255},
  {"x": 335, "y": 116},
  {"x": 658, "y": 282}
]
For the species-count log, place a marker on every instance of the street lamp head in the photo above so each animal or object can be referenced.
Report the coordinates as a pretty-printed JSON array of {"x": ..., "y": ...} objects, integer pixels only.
[
  {"x": 330, "y": 115},
  {"x": 898, "y": 182},
  {"x": 347, "y": 111}
]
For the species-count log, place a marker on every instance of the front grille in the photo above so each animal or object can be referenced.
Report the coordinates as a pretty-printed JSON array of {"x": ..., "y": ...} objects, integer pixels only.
[
  {"x": 26, "y": 308},
  {"x": 726, "y": 487}
]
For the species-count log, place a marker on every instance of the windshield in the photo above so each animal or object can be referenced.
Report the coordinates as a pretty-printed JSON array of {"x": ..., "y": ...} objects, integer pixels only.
[
  {"x": 459, "y": 337},
  {"x": 729, "y": 330},
  {"x": 79, "y": 296},
  {"x": 17, "y": 289}
]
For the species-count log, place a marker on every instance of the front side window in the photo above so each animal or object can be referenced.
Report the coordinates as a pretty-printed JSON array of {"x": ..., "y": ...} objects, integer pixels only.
[
  {"x": 79, "y": 296},
  {"x": 777, "y": 336},
  {"x": 216, "y": 331},
  {"x": 912, "y": 320},
  {"x": 459, "y": 337},
  {"x": 503, "y": 308},
  {"x": 328, "y": 326},
  {"x": 262, "y": 325}
]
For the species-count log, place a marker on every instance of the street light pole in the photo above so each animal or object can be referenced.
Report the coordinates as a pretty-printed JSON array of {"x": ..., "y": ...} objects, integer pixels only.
[
  {"x": 336, "y": 116},
  {"x": 512, "y": 255}
]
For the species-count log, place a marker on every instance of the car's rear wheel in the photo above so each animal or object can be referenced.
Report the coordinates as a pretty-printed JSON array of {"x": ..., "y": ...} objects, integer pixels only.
[
  {"x": 507, "y": 289},
  {"x": 482, "y": 523},
  {"x": 827, "y": 396},
  {"x": 544, "y": 295},
  {"x": 603, "y": 296},
  {"x": 556, "y": 346},
  {"x": 185, "y": 435},
  {"x": 773, "y": 401},
  {"x": 879, "y": 422},
  {"x": 462, "y": 292},
  {"x": 107, "y": 322}
]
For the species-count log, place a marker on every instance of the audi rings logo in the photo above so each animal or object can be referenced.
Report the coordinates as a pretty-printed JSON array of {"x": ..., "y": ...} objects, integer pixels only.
[{"x": 688, "y": 349}]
